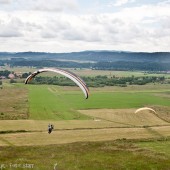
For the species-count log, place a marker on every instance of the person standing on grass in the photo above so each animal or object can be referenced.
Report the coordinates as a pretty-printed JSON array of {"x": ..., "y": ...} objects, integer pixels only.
[{"x": 50, "y": 128}]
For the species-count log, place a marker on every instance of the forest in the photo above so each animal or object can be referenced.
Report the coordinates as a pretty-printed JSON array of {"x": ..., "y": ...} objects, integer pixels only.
[
  {"x": 101, "y": 81},
  {"x": 96, "y": 60}
]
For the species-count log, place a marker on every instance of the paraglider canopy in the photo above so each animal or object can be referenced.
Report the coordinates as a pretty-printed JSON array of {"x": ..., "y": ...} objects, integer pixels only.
[
  {"x": 66, "y": 73},
  {"x": 145, "y": 108}
]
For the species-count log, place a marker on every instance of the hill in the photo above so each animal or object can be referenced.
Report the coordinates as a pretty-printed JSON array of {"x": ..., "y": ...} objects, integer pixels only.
[
  {"x": 99, "y": 60},
  {"x": 95, "y": 56}
]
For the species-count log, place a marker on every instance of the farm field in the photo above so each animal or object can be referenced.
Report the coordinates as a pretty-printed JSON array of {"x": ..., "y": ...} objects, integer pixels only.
[
  {"x": 52, "y": 102},
  {"x": 81, "y": 135},
  {"x": 68, "y": 110},
  {"x": 12, "y": 105},
  {"x": 89, "y": 72},
  {"x": 127, "y": 117},
  {"x": 84, "y": 85},
  {"x": 105, "y": 125}
]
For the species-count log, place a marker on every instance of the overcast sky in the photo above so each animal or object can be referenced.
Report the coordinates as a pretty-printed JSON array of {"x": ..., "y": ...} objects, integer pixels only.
[{"x": 78, "y": 25}]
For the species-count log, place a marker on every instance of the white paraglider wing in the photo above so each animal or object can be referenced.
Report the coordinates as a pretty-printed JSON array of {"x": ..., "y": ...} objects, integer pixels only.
[
  {"x": 68, "y": 74},
  {"x": 144, "y": 108}
]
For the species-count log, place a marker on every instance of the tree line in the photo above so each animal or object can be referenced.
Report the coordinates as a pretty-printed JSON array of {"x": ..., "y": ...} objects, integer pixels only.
[
  {"x": 5, "y": 73},
  {"x": 118, "y": 65},
  {"x": 100, "y": 81}
]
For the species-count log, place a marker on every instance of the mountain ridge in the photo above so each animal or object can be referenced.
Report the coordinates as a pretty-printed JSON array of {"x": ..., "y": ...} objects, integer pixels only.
[{"x": 95, "y": 56}]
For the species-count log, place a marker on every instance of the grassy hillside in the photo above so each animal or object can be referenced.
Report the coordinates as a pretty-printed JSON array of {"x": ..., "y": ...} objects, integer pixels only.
[
  {"x": 117, "y": 155},
  {"x": 13, "y": 103},
  {"x": 99, "y": 133}
]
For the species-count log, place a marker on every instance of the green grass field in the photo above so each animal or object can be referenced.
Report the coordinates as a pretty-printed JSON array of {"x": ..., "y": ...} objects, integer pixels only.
[
  {"x": 53, "y": 102},
  {"x": 162, "y": 147},
  {"x": 116, "y": 155},
  {"x": 13, "y": 103},
  {"x": 89, "y": 134},
  {"x": 47, "y": 102}
]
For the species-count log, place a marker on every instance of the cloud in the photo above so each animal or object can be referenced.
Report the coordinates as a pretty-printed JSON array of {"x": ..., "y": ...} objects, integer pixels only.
[
  {"x": 165, "y": 2},
  {"x": 10, "y": 28},
  {"x": 140, "y": 28},
  {"x": 55, "y": 5},
  {"x": 123, "y": 2},
  {"x": 5, "y": 1},
  {"x": 40, "y": 5},
  {"x": 74, "y": 28},
  {"x": 135, "y": 28}
]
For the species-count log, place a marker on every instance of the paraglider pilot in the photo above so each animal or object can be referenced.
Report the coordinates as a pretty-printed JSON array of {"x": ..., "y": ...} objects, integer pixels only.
[{"x": 50, "y": 128}]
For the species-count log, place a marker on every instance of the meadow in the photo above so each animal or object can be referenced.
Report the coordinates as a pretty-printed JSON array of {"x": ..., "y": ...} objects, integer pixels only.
[
  {"x": 99, "y": 133},
  {"x": 89, "y": 72},
  {"x": 53, "y": 102},
  {"x": 116, "y": 155},
  {"x": 12, "y": 105}
]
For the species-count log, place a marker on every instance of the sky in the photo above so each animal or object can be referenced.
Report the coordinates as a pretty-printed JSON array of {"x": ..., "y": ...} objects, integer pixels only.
[{"x": 79, "y": 25}]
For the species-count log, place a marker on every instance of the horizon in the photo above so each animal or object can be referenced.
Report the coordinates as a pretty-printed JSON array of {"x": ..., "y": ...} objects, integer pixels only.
[{"x": 14, "y": 52}]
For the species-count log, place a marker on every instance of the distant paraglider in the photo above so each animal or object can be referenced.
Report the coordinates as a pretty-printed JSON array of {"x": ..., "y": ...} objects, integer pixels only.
[
  {"x": 66, "y": 73},
  {"x": 145, "y": 108}
]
